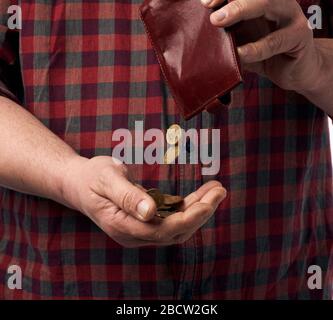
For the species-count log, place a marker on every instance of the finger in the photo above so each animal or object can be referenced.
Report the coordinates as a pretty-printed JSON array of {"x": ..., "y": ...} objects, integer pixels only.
[
  {"x": 254, "y": 67},
  {"x": 137, "y": 243},
  {"x": 140, "y": 187},
  {"x": 198, "y": 194},
  {"x": 212, "y": 3},
  {"x": 213, "y": 199},
  {"x": 236, "y": 11},
  {"x": 194, "y": 217},
  {"x": 123, "y": 169},
  {"x": 278, "y": 42},
  {"x": 184, "y": 222},
  {"x": 132, "y": 199},
  {"x": 128, "y": 231},
  {"x": 239, "y": 10},
  {"x": 164, "y": 231},
  {"x": 113, "y": 220},
  {"x": 131, "y": 242}
]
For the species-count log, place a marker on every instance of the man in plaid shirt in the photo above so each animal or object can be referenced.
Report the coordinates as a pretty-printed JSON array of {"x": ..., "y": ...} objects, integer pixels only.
[{"x": 76, "y": 225}]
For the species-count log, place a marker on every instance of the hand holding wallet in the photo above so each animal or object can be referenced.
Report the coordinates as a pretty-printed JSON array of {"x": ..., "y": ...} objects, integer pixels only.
[{"x": 198, "y": 60}]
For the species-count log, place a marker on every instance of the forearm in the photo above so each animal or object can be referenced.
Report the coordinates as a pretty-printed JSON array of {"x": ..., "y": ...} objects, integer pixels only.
[
  {"x": 33, "y": 160},
  {"x": 321, "y": 91}
]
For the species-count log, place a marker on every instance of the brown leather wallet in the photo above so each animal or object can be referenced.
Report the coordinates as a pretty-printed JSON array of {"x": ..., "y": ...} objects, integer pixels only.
[{"x": 198, "y": 60}]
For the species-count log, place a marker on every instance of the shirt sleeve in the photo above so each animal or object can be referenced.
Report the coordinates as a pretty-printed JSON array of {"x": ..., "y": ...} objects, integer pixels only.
[{"x": 9, "y": 80}]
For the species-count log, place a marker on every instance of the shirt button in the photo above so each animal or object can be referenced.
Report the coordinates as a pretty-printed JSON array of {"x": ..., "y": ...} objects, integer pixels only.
[{"x": 174, "y": 134}]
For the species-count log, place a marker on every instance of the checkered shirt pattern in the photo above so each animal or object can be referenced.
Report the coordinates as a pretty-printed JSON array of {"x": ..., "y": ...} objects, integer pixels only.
[{"x": 87, "y": 70}]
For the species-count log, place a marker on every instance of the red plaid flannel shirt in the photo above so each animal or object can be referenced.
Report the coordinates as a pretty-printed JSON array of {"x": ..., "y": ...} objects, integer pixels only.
[{"x": 87, "y": 70}]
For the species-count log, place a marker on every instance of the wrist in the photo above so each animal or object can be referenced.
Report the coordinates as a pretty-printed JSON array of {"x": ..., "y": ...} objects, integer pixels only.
[{"x": 69, "y": 180}]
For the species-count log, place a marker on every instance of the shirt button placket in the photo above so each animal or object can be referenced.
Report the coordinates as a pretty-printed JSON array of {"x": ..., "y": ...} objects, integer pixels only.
[{"x": 187, "y": 184}]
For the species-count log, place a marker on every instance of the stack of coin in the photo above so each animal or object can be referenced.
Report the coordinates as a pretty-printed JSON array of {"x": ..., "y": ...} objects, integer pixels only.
[{"x": 166, "y": 204}]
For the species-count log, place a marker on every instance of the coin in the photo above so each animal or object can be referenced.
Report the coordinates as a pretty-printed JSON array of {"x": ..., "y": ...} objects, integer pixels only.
[
  {"x": 166, "y": 204},
  {"x": 164, "y": 214},
  {"x": 171, "y": 155},
  {"x": 157, "y": 196},
  {"x": 165, "y": 208},
  {"x": 171, "y": 200},
  {"x": 174, "y": 134}
]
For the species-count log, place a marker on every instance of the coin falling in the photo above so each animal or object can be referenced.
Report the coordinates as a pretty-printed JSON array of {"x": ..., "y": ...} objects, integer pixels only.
[
  {"x": 166, "y": 204},
  {"x": 174, "y": 134},
  {"x": 172, "y": 154}
]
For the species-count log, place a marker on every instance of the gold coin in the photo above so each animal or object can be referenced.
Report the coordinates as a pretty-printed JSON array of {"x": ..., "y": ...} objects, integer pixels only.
[
  {"x": 166, "y": 204},
  {"x": 170, "y": 200},
  {"x": 174, "y": 134},
  {"x": 171, "y": 155},
  {"x": 163, "y": 207},
  {"x": 157, "y": 196}
]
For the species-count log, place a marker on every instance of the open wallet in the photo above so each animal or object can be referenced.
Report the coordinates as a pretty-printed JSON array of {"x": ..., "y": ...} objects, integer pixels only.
[{"x": 198, "y": 60}]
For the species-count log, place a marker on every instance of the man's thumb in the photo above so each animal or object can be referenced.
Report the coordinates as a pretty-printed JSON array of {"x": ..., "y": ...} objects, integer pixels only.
[{"x": 131, "y": 198}]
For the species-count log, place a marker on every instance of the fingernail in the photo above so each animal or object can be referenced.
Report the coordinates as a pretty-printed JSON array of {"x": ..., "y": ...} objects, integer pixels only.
[
  {"x": 206, "y": 2},
  {"x": 220, "y": 15},
  {"x": 143, "y": 208}
]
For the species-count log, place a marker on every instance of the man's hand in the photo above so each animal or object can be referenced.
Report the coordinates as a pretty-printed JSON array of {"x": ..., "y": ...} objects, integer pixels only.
[
  {"x": 288, "y": 56},
  {"x": 101, "y": 189}
]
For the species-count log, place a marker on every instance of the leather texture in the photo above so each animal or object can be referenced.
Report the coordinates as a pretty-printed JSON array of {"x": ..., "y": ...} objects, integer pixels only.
[{"x": 199, "y": 61}]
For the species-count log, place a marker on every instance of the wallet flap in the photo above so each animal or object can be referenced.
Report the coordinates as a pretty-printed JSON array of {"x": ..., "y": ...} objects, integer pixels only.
[{"x": 198, "y": 60}]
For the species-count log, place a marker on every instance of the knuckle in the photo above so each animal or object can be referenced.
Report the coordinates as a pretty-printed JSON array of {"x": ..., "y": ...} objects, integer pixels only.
[
  {"x": 237, "y": 7},
  {"x": 110, "y": 170},
  {"x": 256, "y": 50},
  {"x": 128, "y": 200},
  {"x": 274, "y": 42},
  {"x": 206, "y": 209},
  {"x": 123, "y": 169},
  {"x": 119, "y": 169}
]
